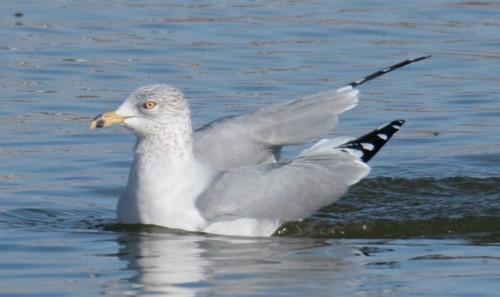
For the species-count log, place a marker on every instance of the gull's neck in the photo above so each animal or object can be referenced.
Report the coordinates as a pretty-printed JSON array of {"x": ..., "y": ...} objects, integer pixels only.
[
  {"x": 158, "y": 148},
  {"x": 169, "y": 145}
]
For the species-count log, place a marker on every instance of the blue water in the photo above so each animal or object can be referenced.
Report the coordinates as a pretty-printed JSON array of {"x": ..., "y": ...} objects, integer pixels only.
[{"x": 424, "y": 223}]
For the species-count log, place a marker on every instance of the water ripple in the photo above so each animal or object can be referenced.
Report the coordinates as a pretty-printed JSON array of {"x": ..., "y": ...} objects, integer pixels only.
[{"x": 403, "y": 208}]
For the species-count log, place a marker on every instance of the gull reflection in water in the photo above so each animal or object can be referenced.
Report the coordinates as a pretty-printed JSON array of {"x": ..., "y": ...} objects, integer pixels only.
[{"x": 188, "y": 264}]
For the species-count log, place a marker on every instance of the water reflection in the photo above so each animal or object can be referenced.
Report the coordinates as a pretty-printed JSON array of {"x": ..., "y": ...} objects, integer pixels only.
[
  {"x": 165, "y": 264},
  {"x": 186, "y": 264}
]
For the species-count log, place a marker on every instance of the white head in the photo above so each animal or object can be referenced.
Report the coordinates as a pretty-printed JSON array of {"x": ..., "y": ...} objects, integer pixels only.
[{"x": 155, "y": 113}]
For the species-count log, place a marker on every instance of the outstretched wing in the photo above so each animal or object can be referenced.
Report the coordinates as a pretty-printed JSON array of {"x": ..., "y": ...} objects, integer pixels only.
[
  {"x": 258, "y": 136},
  {"x": 283, "y": 191},
  {"x": 295, "y": 189}
]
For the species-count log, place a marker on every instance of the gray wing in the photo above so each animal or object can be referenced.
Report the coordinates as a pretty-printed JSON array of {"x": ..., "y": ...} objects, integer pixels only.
[
  {"x": 257, "y": 137},
  {"x": 284, "y": 191}
]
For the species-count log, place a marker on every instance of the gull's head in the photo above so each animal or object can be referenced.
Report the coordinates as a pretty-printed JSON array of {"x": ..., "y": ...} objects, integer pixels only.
[{"x": 148, "y": 110}]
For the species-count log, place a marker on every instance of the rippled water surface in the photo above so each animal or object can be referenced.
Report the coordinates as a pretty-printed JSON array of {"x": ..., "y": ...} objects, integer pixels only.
[{"x": 426, "y": 222}]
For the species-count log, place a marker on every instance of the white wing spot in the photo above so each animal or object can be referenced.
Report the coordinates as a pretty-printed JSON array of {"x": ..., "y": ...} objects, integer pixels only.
[
  {"x": 353, "y": 152},
  {"x": 367, "y": 146},
  {"x": 382, "y": 136},
  {"x": 396, "y": 127}
]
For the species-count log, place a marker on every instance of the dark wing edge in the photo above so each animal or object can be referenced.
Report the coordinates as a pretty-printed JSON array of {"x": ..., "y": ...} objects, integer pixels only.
[
  {"x": 370, "y": 143},
  {"x": 385, "y": 71}
]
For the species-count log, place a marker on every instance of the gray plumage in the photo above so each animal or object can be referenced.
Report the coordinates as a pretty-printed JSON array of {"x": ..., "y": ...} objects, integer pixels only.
[
  {"x": 257, "y": 137},
  {"x": 288, "y": 191}
]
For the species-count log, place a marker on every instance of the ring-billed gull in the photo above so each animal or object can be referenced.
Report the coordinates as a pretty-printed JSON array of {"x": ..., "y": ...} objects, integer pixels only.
[{"x": 226, "y": 177}]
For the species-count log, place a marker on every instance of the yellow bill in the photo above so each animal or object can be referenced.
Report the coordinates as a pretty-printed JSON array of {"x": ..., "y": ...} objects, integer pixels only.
[{"x": 107, "y": 119}]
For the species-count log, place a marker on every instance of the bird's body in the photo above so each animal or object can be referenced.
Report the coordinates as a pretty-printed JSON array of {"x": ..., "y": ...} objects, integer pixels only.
[
  {"x": 226, "y": 177},
  {"x": 148, "y": 202}
]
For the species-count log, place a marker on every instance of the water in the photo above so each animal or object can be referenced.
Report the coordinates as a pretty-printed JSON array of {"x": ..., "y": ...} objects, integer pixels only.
[{"x": 424, "y": 223}]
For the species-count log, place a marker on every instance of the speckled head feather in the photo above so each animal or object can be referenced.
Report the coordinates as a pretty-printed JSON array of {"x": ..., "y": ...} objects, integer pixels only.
[{"x": 158, "y": 114}]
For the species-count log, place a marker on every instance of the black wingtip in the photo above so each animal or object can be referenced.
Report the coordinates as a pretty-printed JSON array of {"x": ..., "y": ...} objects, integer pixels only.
[
  {"x": 386, "y": 70},
  {"x": 369, "y": 144}
]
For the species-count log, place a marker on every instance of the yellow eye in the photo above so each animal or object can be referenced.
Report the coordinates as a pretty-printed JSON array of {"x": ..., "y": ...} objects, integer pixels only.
[{"x": 149, "y": 105}]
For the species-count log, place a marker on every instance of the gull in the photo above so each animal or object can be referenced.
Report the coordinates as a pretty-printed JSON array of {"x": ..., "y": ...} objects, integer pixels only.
[{"x": 227, "y": 176}]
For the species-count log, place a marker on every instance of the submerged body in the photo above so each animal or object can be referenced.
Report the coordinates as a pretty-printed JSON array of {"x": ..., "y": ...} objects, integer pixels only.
[{"x": 226, "y": 177}]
